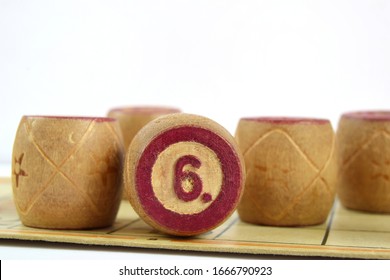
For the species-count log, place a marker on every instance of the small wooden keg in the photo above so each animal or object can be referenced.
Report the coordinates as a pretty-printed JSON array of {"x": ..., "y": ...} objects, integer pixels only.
[
  {"x": 67, "y": 171},
  {"x": 291, "y": 170},
  {"x": 132, "y": 119},
  {"x": 184, "y": 174},
  {"x": 363, "y": 141}
]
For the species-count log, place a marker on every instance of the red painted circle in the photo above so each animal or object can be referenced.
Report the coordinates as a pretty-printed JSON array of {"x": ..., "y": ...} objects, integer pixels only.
[{"x": 221, "y": 206}]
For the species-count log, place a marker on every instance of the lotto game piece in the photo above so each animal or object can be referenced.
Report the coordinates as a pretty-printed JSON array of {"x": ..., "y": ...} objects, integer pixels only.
[
  {"x": 184, "y": 174},
  {"x": 67, "y": 171},
  {"x": 291, "y": 170},
  {"x": 132, "y": 119},
  {"x": 363, "y": 141}
]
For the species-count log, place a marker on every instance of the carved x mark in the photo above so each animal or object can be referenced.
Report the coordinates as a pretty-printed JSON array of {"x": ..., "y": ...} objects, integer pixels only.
[
  {"x": 58, "y": 167},
  {"x": 318, "y": 171}
]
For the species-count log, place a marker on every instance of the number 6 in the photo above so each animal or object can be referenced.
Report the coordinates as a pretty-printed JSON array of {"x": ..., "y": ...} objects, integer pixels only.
[{"x": 192, "y": 177}]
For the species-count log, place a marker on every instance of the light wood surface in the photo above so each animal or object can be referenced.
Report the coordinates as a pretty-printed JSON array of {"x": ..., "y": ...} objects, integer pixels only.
[
  {"x": 291, "y": 170},
  {"x": 67, "y": 171},
  {"x": 363, "y": 141},
  {"x": 132, "y": 119}
]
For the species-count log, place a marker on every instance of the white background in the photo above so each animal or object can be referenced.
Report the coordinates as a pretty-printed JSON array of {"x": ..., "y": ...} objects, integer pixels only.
[{"x": 218, "y": 58}]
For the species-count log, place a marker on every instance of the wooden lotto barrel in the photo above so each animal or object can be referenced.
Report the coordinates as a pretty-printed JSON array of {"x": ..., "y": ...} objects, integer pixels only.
[
  {"x": 291, "y": 171},
  {"x": 363, "y": 141},
  {"x": 67, "y": 171},
  {"x": 132, "y": 119},
  {"x": 184, "y": 174}
]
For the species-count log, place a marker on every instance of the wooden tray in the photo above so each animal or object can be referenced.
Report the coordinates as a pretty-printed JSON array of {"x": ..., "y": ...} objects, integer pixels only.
[{"x": 346, "y": 234}]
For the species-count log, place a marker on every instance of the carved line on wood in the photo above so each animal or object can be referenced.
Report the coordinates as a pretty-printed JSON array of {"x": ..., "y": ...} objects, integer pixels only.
[
  {"x": 114, "y": 132},
  {"x": 289, "y": 138},
  {"x": 51, "y": 162},
  {"x": 365, "y": 144},
  {"x": 299, "y": 196},
  {"x": 75, "y": 148},
  {"x": 294, "y": 201}
]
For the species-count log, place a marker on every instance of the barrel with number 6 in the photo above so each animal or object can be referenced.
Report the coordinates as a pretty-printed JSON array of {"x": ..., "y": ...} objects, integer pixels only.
[{"x": 184, "y": 174}]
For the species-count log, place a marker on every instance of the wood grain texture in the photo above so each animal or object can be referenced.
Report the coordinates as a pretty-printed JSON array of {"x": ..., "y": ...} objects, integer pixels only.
[
  {"x": 363, "y": 141},
  {"x": 67, "y": 171},
  {"x": 132, "y": 119},
  {"x": 184, "y": 174},
  {"x": 291, "y": 170}
]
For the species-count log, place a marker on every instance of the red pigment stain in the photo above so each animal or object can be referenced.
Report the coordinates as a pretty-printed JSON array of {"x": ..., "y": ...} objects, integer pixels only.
[
  {"x": 222, "y": 205},
  {"x": 286, "y": 120},
  {"x": 206, "y": 197},
  {"x": 368, "y": 115},
  {"x": 146, "y": 110},
  {"x": 78, "y": 118}
]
